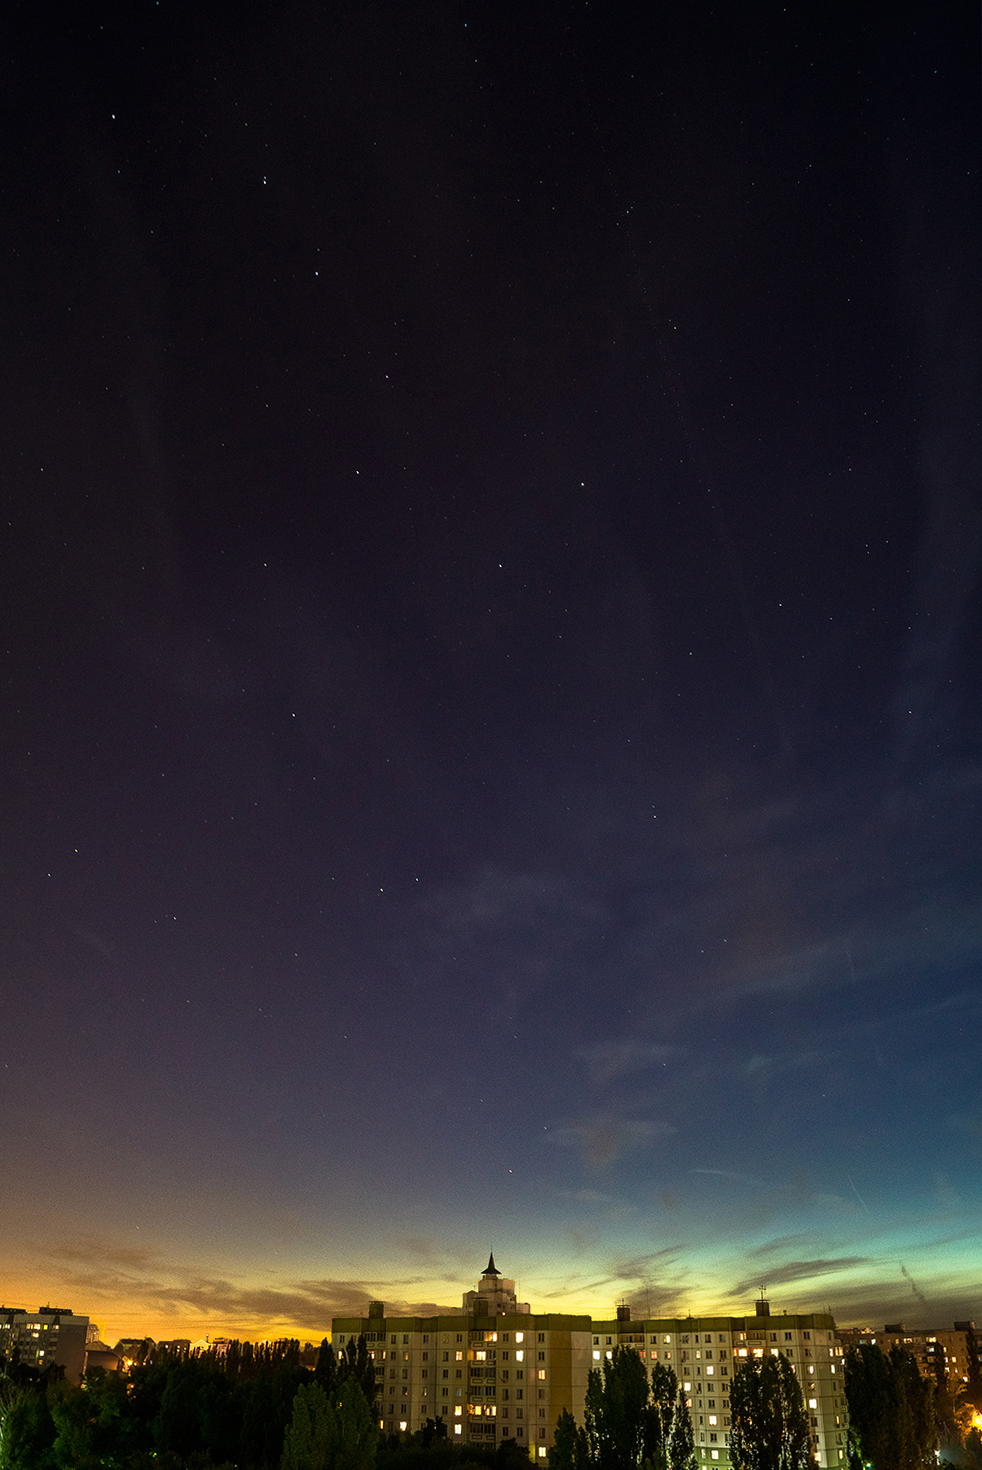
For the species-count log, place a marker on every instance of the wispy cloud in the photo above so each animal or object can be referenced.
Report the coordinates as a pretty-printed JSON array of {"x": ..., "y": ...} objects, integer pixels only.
[
  {"x": 787, "y": 1062},
  {"x": 605, "y": 1136},
  {"x": 109, "y": 1274},
  {"x": 798, "y": 1271},
  {"x": 609, "y": 1061},
  {"x": 588, "y": 1196}
]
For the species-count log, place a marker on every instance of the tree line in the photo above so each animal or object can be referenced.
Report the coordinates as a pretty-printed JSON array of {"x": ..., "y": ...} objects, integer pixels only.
[
  {"x": 211, "y": 1408},
  {"x": 244, "y": 1407}
]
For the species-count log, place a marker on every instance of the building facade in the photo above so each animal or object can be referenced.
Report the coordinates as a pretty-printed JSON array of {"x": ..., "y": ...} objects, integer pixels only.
[
  {"x": 498, "y": 1371},
  {"x": 952, "y": 1357},
  {"x": 705, "y": 1353},
  {"x": 492, "y": 1371},
  {"x": 48, "y": 1336}
]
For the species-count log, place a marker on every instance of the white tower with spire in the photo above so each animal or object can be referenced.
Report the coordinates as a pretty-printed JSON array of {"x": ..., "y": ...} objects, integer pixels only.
[{"x": 495, "y": 1295}]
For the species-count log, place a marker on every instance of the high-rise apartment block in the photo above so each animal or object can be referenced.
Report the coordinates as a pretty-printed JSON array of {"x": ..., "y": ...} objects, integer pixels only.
[
  {"x": 51, "y": 1335},
  {"x": 498, "y": 1371},
  {"x": 951, "y": 1357}
]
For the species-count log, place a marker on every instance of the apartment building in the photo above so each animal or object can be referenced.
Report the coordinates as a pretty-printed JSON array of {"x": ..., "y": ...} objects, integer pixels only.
[
  {"x": 705, "y": 1352},
  {"x": 493, "y": 1371},
  {"x": 952, "y": 1358},
  {"x": 498, "y": 1371},
  {"x": 51, "y": 1335}
]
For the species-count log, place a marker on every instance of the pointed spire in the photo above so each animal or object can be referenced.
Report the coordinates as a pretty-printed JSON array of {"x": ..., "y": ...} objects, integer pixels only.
[{"x": 491, "y": 1269}]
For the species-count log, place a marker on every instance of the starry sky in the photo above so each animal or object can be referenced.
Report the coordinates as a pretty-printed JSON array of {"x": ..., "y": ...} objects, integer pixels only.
[{"x": 491, "y": 730}]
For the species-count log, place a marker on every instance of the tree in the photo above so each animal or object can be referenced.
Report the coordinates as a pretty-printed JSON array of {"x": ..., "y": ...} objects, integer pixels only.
[
  {"x": 27, "y": 1430},
  {"x": 355, "y": 1363},
  {"x": 306, "y": 1445},
  {"x": 330, "y": 1433},
  {"x": 891, "y": 1410},
  {"x": 681, "y": 1445},
  {"x": 327, "y": 1366},
  {"x": 570, "y": 1449},
  {"x": 355, "y": 1431},
  {"x": 615, "y": 1406},
  {"x": 659, "y": 1416},
  {"x": 770, "y": 1424}
]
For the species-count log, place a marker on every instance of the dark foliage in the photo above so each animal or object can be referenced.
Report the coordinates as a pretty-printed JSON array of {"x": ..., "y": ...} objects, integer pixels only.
[
  {"x": 891, "y": 1410},
  {"x": 770, "y": 1424},
  {"x": 177, "y": 1411}
]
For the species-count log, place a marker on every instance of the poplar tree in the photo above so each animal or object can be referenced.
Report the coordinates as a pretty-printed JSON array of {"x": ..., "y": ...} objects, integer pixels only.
[
  {"x": 306, "y": 1444},
  {"x": 770, "y": 1422},
  {"x": 330, "y": 1433},
  {"x": 891, "y": 1410},
  {"x": 615, "y": 1406},
  {"x": 681, "y": 1445},
  {"x": 570, "y": 1450},
  {"x": 660, "y": 1414}
]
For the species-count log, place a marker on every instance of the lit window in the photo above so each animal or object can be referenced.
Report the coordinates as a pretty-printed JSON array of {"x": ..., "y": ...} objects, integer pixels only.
[
  {"x": 542, "y": 1374},
  {"x": 520, "y": 1355},
  {"x": 542, "y": 1451},
  {"x": 712, "y": 1418},
  {"x": 458, "y": 1429},
  {"x": 458, "y": 1356},
  {"x": 596, "y": 1355},
  {"x": 402, "y": 1423},
  {"x": 519, "y": 1336},
  {"x": 813, "y": 1403},
  {"x": 458, "y": 1411}
]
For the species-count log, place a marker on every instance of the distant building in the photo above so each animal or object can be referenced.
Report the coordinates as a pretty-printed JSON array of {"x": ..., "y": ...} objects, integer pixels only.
[
  {"x": 949, "y": 1357},
  {"x": 133, "y": 1351},
  {"x": 51, "y": 1335},
  {"x": 498, "y": 1371},
  {"x": 99, "y": 1355}
]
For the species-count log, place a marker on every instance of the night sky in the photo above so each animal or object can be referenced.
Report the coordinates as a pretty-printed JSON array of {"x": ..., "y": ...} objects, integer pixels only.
[{"x": 491, "y": 730}]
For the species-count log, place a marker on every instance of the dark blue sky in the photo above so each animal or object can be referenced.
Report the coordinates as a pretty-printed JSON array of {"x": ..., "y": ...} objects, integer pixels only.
[{"x": 491, "y": 694}]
